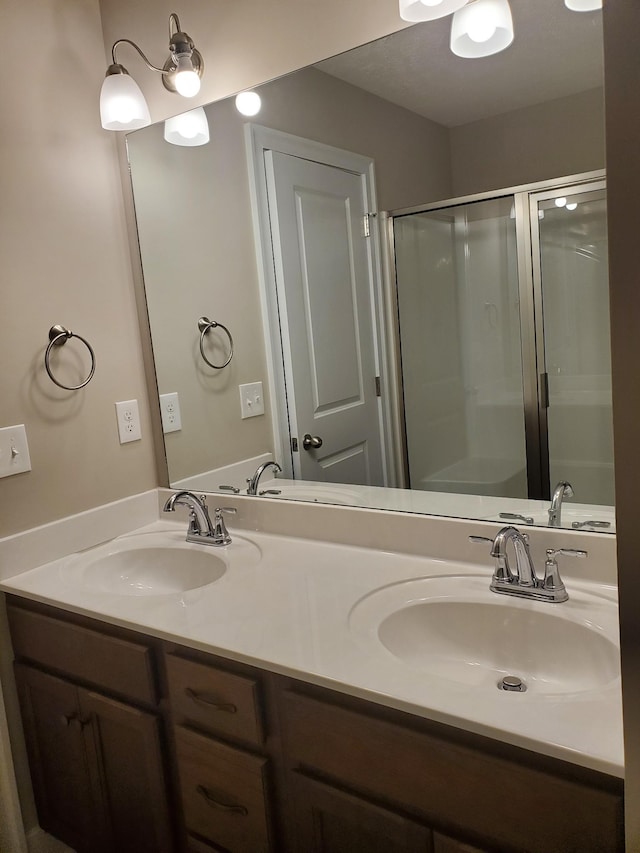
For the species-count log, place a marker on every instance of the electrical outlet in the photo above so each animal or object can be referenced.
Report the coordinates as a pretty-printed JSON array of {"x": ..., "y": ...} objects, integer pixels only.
[
  {"x": 170, "y": 411},
  {"x": 128, "y": 421},
  {"x": 251, "y": 400},
  {"x": 14, "y": 451}
]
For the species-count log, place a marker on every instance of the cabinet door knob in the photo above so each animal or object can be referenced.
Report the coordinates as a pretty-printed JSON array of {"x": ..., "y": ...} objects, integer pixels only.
[
  {"x": 228, "y": 707},
  {"x": 241, "y": 811},
  {"x": 67, "y": 719}
]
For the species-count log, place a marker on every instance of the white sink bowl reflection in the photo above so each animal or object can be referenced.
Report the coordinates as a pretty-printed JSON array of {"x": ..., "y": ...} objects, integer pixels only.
[
  {"x": 454, "y": 628},
  {"x": 156, "y": 564}
]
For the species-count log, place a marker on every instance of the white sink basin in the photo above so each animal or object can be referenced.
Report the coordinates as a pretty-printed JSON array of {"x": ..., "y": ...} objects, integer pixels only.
[
  {"x": 156, "y": 564},
  {"x": 454, "y": 628}
]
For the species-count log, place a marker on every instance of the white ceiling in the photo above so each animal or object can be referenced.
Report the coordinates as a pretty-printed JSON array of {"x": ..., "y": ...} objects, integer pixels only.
[{"x": 555, "y": 53}]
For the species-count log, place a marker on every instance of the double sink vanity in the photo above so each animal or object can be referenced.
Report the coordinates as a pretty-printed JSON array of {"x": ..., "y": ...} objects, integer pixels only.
[{"x": 362, "y": 690}]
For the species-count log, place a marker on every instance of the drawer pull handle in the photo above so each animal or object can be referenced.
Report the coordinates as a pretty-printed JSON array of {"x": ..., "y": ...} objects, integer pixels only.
[
  {"x": 216, "y": 706},
  {"x": 210, "y": 800}
]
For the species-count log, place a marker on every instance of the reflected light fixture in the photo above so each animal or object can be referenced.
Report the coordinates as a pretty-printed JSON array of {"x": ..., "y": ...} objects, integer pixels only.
[
  {"x": 481, "y": 28},
  {"x": 561, "y": 201},
  {"x": 572, "y": 205},
  {"x": 248, "y": 103},
  {"x": 583, "y": 5},
  {"x": 122, "y": 104},
  {"x": 189, "y": 129},
  {"x": 428, "y": 10}
]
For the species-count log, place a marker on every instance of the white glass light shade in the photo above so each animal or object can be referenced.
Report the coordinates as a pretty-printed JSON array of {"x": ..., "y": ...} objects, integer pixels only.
[
  {"x": 248, "y": 103},
  {"x": 481, "y": 28},
  {"x": 191, "y": 128},
  {"x": 428, "y": 10},
  {"x": 583, "y": 5},
  {"x": 122, "y": 104},
  {"x": 186, "y": 80}
]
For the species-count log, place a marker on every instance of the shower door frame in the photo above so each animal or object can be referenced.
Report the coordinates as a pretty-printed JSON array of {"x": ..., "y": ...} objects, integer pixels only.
[{"x": 534, "y": 384}]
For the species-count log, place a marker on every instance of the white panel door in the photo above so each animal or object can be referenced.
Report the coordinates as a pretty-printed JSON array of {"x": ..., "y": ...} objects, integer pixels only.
[{"x": 325, "y": 304}]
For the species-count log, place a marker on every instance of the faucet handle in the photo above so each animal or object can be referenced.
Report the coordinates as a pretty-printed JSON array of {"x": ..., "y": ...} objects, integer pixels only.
[
  {"x": 234, "y": 489},
  {"x": 220, "y": 532},
  {"x": 552, "y": 580},
  {"x": 502, "y": 571},
  {"x": 478, "y": 540}
]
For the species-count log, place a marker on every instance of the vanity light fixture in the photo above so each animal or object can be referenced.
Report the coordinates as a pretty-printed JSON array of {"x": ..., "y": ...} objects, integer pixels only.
[
  {"x": 481, "y": 28},
  {"x": 190, "y": 128},
  {"x": 583, "y": 5},
  {"x": 122, "y": 104},
  {"x": 248, "y": 103},
  {"x": 428, "y": 10},
  {"x": 561, "y": 201}
]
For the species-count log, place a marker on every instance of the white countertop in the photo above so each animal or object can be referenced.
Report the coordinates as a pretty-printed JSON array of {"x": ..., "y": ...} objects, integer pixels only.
[{"x": 289, "y": 612}]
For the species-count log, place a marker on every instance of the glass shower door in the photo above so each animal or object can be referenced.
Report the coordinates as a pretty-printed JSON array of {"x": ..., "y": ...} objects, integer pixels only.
[
  {"x": 459, "y": 327},
  {"x": 572, "y": 303}
]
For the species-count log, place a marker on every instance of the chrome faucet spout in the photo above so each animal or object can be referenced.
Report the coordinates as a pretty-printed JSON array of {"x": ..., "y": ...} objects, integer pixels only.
[
  {"x": 562, "y": 490},
  {"x": 253, "y": 482},
  {"x": 200, "y": 526},
  {"x": 525, "y": 572}
]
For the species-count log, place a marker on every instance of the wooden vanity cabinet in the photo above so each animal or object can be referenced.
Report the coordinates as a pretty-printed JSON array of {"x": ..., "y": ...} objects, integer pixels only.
[
  {"x": 97, "y": 760},
  {"x": 259, "y": 763}
]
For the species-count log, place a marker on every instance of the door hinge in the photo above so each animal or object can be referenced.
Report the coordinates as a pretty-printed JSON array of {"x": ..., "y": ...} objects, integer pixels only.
[
  {"x": 544, "y": 390},
  {"x": 378, "y": 391},
  {"x": 294, "y": 445},
  {"x": 366, "y": 228}
]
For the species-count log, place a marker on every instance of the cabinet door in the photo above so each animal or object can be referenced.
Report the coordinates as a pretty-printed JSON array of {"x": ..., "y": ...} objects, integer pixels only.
[
  {"x": 444, "y": 844},
  {"x": 58, "y": 758},
  {"x": 128, "y": 770},
  {"x": 331, "y": 821}
]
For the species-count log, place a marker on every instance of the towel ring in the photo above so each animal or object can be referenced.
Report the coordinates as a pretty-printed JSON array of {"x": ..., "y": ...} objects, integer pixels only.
[
  {"x": 204, "y": 324},
  {"x": 58, "y": 336}
]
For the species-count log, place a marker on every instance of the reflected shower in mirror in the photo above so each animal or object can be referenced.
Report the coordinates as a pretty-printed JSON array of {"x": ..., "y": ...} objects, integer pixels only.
[{"x": 402, "y": 333}]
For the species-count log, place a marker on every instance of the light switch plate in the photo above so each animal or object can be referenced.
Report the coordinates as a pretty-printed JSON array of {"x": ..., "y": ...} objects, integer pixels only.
[
  {"x": 170, "y": 411},
  {"x": 251, "y": 400},
  {"x": 14, "y": 451},
  {"x": 128, "y": 421}
]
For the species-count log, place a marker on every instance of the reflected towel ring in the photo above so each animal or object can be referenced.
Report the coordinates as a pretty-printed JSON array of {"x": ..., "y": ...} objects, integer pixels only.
[
  {"x": 58, "y": 336},
  {"x": 204, "y": 324}
]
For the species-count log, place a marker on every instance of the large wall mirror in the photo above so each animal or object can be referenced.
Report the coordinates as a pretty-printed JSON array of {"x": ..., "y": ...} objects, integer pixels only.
[{"x": 392, "y": 280}]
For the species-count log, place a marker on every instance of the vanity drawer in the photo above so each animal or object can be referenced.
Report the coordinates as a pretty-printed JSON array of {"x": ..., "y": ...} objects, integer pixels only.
[
  {"x": 454, "y": 786},
  {"x": 218, "y": 701},
  {"x": 121, "y": 666},
  {"x": 224, "y": 793}
]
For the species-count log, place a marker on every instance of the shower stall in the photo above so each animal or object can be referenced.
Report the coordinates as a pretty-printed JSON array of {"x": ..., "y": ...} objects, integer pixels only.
[{"x": 503, "y": 325}]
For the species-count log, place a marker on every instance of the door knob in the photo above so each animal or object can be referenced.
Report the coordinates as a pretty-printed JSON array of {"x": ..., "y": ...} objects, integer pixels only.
[{"x": 311, "y": 442}]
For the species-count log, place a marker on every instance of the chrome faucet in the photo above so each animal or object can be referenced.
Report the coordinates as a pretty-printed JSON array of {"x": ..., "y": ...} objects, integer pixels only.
[
  {"x": 562, "y": 490},
  {"x": 524, "y": 582},
  {"x": 252, "y": 487},
  {"x": 201, "y": 530}
]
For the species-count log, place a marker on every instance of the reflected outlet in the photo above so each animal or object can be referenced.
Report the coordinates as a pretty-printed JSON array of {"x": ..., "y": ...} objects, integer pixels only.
[
  {"x": 170, "y": 411},
  {"x": 251, "y": 400}
]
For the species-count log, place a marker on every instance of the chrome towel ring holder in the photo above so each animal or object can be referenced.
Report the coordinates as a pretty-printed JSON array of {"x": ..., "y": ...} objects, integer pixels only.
[
  {"x": 204, "y": 324},
  {"x": 58, "y": 336}
]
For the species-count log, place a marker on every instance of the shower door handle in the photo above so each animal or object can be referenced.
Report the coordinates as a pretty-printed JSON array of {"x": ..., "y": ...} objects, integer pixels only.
[{"x": 311, "y": 442}]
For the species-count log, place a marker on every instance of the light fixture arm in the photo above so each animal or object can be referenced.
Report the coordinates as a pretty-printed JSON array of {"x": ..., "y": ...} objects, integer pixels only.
[{"x": 142, "y": 55}]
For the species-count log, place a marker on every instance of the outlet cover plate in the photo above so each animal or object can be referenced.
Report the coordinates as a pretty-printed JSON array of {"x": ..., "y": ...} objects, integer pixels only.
[
  {"x": 128, "y": 421},
  {"x": 170, "y": 411},
  {"x": 251, "y": 400},
  {"x": 14, "y": 451}
]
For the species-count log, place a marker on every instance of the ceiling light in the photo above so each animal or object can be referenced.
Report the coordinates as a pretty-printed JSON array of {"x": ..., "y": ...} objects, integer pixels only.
[
  {"x": 189, "y": 129},
  {"x": 583, "y": 5},
  {"x": 428, "y": 10},
  {"x": 481, "y": 28},
  {"x": 248, "y": 103},
  {"x": 572, "y": 205},
  {"x": 122, "y": 104},
  {"x": 560, "y": 201}
]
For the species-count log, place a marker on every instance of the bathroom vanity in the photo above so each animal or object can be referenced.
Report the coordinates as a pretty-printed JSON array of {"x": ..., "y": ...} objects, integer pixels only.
[
  {"x": 137, "y": 744},
  {"x": 270, "y": 695}
]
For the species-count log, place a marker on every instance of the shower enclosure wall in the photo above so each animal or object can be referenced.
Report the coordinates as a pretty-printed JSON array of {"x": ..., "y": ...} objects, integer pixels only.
[{"x": 504, "y": 342}]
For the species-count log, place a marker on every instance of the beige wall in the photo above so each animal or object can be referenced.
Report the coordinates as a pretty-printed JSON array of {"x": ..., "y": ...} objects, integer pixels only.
[
  {"x": 211, "y": 241},
  {"x": 65, "y": 260},
  {"x": 550, "y": 140}
]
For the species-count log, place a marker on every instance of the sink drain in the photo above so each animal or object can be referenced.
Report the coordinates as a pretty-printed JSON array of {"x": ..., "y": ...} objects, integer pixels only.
[{"x": 512, "y": 683}]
